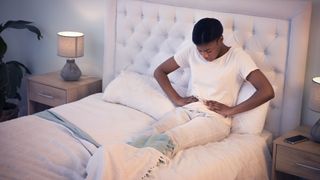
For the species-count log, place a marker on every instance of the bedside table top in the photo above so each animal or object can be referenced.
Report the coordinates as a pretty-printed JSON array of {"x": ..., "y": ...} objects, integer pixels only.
[
  {"x": 307, "y": 146},
  {"x": 53, "y": 79}
]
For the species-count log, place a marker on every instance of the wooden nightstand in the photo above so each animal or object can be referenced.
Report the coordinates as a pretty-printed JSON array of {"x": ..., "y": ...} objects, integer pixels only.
[
  {"x": 301, "y": 159},
  {"x": 49, "y": 90}
]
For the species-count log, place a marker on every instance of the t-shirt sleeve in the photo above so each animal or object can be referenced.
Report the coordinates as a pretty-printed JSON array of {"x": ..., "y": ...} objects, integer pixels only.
[
  {"x": 182, "y": 57},
  {"x": 247, "y": 65}
]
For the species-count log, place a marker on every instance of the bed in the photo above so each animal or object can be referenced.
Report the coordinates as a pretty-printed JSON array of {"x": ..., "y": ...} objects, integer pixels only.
[{"x": 139, "y": 35}]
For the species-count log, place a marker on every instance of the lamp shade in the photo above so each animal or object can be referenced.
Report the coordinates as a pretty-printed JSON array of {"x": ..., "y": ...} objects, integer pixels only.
[
  {"x": 315, "y": 94},
  {"x": 70, "y": 44}
]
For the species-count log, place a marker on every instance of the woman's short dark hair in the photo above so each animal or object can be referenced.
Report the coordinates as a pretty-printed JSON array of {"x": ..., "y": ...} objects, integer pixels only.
[{"x": 206, "y": 30}]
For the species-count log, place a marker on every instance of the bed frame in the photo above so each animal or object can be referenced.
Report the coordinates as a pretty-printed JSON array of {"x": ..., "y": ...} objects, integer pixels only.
[{"x": 142, "y": 34}]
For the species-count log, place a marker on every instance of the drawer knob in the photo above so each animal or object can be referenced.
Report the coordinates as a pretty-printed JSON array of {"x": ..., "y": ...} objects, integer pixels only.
[
  {"x": 308, "y": 167},
  {"x": 46, "y": 96}
]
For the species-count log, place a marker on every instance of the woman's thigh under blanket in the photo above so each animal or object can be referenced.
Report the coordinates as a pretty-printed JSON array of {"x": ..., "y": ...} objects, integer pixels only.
[
  {"x": 198, "y": 131},
  {"x": 172, "y": 119}
]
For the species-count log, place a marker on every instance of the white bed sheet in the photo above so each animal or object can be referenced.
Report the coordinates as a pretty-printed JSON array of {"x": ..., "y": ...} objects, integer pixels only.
[
  {"x": 34, "y": 148},
  {"x": 236, "y": 157},
  {"x": 105, "y": 122}
]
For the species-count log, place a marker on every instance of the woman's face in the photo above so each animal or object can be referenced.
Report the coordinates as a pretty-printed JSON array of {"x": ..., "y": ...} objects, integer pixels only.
[{"x": 211, "y": 50}]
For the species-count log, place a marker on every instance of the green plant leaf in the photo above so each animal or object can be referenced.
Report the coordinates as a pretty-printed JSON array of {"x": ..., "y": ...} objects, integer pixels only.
[
  {"x": 2, "y": 101},
  {"x": 11, "y": 73},
  {"x": 15, "y": 75},
  {"x": 20, "y": 65},
  {"x": 3, "y": 85},
  {"x": 20, "y": 24},
  {"x": 17, "y": 96},
  {"x": 3, "y": 76},
  {"x": 34, "y": 30},
  {"x": 3, "y": 48}
]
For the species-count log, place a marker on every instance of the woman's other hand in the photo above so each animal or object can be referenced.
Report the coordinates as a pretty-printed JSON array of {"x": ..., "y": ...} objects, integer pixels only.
[{"x": 185, "y": 100}]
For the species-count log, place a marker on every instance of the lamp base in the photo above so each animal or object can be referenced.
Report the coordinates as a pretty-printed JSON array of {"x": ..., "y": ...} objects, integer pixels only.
[
  {"x": 70, "y": 71},
  {"x": 315, "y": 132}
]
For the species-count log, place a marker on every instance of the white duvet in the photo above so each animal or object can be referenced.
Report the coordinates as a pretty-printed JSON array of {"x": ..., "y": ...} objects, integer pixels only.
[
  {"x": 33, "y": 148},
  {"x": 236, "y": 157}
]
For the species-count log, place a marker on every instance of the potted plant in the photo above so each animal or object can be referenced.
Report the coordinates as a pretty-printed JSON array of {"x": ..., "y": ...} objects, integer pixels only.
[{"x": 12, "y": 72}]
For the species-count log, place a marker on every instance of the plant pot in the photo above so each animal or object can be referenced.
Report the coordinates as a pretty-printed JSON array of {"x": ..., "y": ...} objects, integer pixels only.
[{"x": 10, "y": 111}]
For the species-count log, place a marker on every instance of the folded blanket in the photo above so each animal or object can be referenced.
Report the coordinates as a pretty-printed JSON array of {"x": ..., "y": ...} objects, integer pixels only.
[
  {"x": 122, "y": 161},
  {"x": 161, "y": 142}
]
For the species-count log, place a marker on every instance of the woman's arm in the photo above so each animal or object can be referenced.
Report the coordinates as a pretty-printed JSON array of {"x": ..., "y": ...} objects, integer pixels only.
[
  {"x": 161, "y": 75},
  {"x": 264, "y": 92}
]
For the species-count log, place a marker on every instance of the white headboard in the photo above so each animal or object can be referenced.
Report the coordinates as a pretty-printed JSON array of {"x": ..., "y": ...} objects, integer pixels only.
[{"x": 140, "y": 35}]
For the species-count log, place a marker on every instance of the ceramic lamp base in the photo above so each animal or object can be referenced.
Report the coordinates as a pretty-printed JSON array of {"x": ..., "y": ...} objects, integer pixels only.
[{"x": 70, "y": 71}]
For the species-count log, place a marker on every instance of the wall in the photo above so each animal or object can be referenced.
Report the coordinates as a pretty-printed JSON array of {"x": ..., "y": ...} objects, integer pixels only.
[
  {"x": 51, "y": 17},
  {"x": 87, "y": 17}
]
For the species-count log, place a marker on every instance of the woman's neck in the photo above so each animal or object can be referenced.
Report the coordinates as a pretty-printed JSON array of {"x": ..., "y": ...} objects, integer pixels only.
[{"x": 224, "y": 50}]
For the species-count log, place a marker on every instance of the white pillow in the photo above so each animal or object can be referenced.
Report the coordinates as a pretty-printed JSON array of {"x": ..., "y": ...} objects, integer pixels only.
[
  {"x": 140, "y": 92},
  {"x": 252, "y": 121}
]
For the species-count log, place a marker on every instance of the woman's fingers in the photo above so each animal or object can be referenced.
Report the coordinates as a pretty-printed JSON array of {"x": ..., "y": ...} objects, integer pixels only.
[
  {"x": 214, "y": 105},
  {"x": 192, "y": 99}
]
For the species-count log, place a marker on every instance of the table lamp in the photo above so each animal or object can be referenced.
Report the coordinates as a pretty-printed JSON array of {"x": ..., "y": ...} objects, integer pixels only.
[
  {"x": 315, "y": 106},
  {"x": 71, "y": 46}
]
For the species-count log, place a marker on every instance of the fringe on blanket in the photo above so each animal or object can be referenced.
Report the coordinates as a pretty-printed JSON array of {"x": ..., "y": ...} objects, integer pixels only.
[
  {"x": 123, "y": 161},
  {"x": 161, "y": 161}
]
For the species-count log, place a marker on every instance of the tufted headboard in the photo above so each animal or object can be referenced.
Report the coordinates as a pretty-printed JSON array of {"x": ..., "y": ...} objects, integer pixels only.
[{"x": 140, "y": 35}]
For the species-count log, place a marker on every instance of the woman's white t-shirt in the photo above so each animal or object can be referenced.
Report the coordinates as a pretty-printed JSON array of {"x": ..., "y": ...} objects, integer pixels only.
[{"x": 219, "y": 80}]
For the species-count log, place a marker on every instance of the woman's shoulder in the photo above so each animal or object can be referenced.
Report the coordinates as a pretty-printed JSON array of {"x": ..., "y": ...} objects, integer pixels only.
[{"x": 238, "y": 52}]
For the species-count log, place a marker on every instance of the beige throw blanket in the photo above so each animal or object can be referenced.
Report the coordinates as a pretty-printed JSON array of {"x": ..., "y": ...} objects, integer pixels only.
[{"x": 122, "y": 161}]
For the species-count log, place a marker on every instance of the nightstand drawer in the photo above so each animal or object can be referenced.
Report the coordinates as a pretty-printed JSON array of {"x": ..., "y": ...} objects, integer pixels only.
[
  {"x": 46, "y": 94},
  {"x": 297, "y": 162}
]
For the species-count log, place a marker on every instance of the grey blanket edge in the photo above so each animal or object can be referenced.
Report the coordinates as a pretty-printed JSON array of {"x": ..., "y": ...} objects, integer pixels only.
[{"x": 51, "y": 116}]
